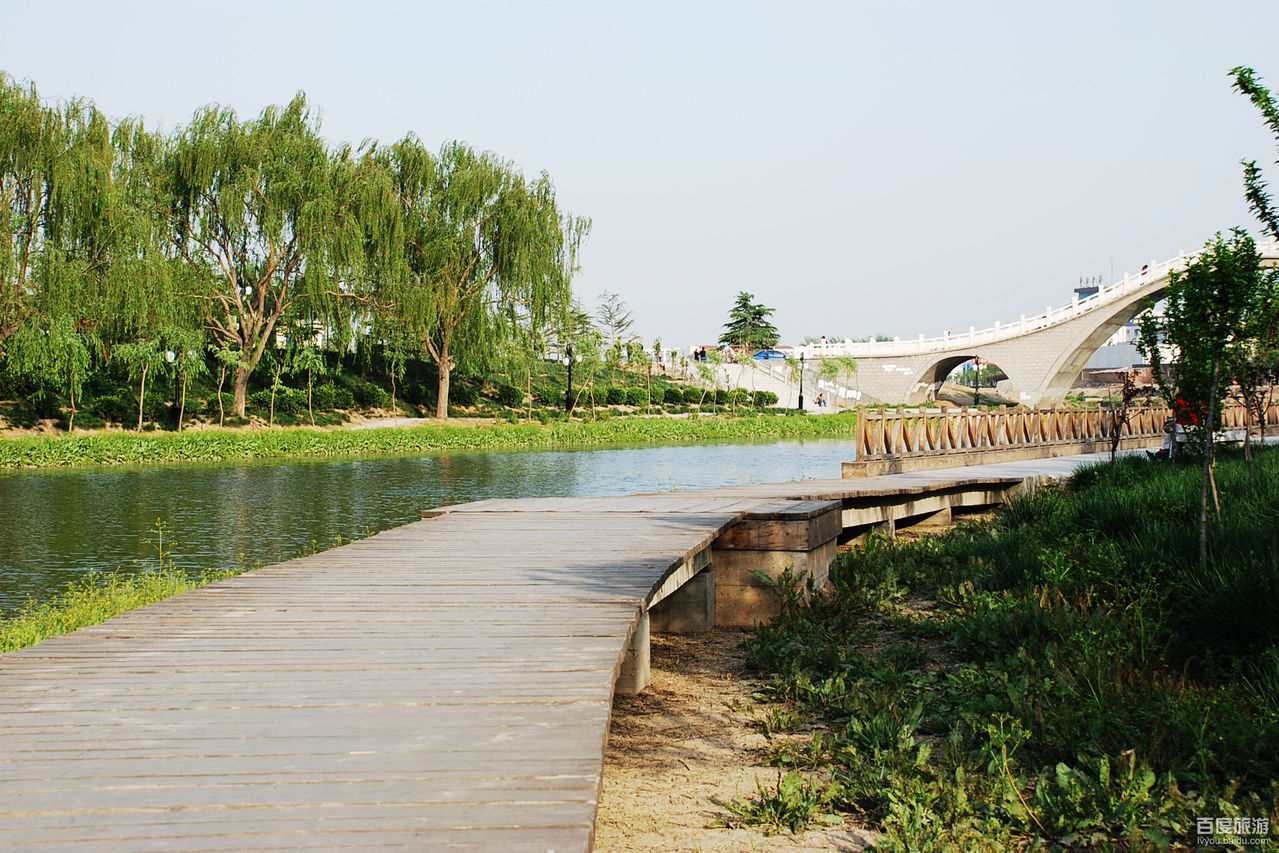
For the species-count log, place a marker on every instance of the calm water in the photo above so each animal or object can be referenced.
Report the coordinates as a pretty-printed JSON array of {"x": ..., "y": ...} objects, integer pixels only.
[{"x": 54, "y": 526}]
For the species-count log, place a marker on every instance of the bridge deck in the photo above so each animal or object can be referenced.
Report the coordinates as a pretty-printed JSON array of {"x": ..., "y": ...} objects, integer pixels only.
[{"x": 445, "y": 683}]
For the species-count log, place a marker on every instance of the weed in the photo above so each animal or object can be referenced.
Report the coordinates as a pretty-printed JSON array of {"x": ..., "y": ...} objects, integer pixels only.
[{"x": 794, "y": 803}]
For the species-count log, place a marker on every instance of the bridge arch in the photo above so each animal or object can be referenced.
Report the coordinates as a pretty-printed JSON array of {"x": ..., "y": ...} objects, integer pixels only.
[{"x": 1068, "y": 367}]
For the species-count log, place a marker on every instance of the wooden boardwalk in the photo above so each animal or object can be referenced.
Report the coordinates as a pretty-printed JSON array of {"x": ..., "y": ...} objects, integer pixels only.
[{"x": 445, "y": 684}]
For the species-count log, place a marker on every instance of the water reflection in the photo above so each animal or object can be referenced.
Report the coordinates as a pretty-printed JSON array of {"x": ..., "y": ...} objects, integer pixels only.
[{"x": 57, "y": 525}]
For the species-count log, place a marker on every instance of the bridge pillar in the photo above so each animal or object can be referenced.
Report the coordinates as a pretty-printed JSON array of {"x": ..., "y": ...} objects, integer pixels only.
[
  {"x": 688, "y": 610},
  {"x": 635, "y": 672}
]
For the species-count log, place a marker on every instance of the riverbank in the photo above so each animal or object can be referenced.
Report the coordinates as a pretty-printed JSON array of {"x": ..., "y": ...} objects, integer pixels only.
[{"x": 104, "y": 448}]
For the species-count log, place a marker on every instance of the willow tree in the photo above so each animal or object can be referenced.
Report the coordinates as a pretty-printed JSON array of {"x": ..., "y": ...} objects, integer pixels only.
[
  {"x": 474, "y": 237},
  {"x": 258, "y": 217},
  {"x": 31, "y": 154}
]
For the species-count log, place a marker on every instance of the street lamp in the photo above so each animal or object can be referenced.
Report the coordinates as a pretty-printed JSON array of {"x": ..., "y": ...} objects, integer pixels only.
[
  {"x": 569, "y": 358},
  {"x": 801, "y": 382},
  {"x": 976, "y": 378},
  {"x": 171, "y": 356}
]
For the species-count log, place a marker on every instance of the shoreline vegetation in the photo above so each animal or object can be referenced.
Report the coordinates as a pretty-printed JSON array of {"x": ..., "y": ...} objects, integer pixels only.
[
  {"x": 222, "y": 445},
  {"x": 1065, "y": 676}
]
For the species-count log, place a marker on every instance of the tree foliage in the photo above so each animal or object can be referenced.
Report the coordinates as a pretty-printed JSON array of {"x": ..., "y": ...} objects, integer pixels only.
[
  {"x": 257, "y": 220},
  {"x": 220, "y": 238},
  {"x": 476, "y": 239},
  {"x": 748, "y": 326},
  {"x": 1213, "y": 312},
  {"x": 1255, "y": 189}
]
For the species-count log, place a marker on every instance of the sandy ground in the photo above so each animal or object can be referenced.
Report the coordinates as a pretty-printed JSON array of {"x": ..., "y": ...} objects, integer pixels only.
[{"x": 684, "y": 747}]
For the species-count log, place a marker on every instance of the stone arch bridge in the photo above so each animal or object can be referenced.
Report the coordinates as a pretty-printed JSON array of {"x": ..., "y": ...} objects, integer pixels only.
[{"x": 1041, "y": 356}]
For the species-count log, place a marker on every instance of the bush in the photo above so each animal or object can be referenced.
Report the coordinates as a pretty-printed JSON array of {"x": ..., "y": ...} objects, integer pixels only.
[
  {"x": 343, "y": 398},
  {"x": 323, "y": 398},
  {"x": 673, "y": 396},
  {"x": 117, "y": 409},
  {"x": 615, "y": 397},
  {"x": 228, "y": 404},
  {"x": 636, "y": 397},
  {"x": 548, "y": 396},
  {"x": 763, "y": 399},
  {"x": 370, "y": 396},
  {"x": 693, "y": 396},
  {"x": 510, "y": 396},
  {"x": 463, "y": 395},
  {"x": 719, "y": 397}
]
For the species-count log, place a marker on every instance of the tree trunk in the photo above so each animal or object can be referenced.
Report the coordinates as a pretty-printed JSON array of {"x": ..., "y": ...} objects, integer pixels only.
[
  {"x": 442, "y": 390},
  {"x": 71, "y": 420},
  {"x": 182, "y": 404},
  {"x": 309, "y": 411},
  {"x": 241, "y": 390},
  {"x": 142, "y": 391},
  {"x": 221, "y": 380},
  {"x": 1207, "y": 422},
  {"x": 1247, "y": 436}
]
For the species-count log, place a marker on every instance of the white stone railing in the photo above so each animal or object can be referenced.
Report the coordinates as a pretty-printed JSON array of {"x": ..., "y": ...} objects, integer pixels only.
[{"x": 1151, "y": 274}]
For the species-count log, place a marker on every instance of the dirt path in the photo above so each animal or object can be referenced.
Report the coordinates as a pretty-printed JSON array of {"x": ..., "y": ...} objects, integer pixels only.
[{"x": 686, "y": 746}]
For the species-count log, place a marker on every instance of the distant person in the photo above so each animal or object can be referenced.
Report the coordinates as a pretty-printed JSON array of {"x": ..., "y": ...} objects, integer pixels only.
[{"x": 821, "y": 400}]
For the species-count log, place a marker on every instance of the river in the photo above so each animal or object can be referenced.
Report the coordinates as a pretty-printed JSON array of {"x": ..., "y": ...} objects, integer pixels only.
[{"x": 57, "y": 525}]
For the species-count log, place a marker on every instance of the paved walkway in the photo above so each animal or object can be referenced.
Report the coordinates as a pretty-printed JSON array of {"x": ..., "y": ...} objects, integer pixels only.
[{"x": 447, "y": 683}]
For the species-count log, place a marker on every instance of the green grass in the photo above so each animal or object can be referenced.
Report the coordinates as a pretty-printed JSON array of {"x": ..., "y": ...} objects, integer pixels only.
[
  {"x": 1067, "y": 677},
  {"x": 120, "y": 448},
  {"x": 94, "y": 599}
]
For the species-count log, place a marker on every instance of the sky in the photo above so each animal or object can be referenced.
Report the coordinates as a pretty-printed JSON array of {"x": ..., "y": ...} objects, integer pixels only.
[{"x": 896, "y": 168}]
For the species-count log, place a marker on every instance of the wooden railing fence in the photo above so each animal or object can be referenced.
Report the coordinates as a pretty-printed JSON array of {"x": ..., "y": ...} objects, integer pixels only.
[{"x": 899, "y": 433}]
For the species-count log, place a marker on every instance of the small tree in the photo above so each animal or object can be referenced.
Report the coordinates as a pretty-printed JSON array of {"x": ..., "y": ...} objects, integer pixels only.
[
  {"x": 837, "y": 368},
  {"x": 140, "y": 359},
  {"x": 614, "y": 318},
  {"x": 310, "y": 360},
  {"x": 228, "y": 359},
  {"x": 53, "y": 352},
  {"x": 1206, "y": 321},
  {"x": 188, "y": 348}
]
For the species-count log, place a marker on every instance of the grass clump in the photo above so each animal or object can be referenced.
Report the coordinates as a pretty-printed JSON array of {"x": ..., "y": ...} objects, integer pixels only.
[
  {"x": 1066, "y": 677},
  {"x": 94, "y": 599}
]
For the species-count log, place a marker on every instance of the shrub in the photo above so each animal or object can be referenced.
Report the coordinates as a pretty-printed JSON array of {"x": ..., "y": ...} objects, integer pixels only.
[
  {"x": 371, "y": 396},
  {"x": 211, "y": 404},
  {"x": 548, "y": 396},
  {"x": 673, "y": 396},
  {"x": 463, "y": 395},
  {"x": 719, "y": 397},
  {"x": 510, "y": 396},
  {"x": 615, "y": 397},
  {"x": 323, "y": 398},
  {"x": 636, "y": 397},
  {"x": 343, "y": 398},
  {"x": 693, "y": 396},
  {"x": 116, "y": 409},
  {"x": 763, "y": 399}
]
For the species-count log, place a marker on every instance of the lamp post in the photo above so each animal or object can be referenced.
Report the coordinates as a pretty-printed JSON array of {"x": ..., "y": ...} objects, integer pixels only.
[
  {"x": 569, "y": 357},
  {"x": 171, "y": 356},
  {"x": 801, "y": 382},
  {"x": 976, "y": 378}
]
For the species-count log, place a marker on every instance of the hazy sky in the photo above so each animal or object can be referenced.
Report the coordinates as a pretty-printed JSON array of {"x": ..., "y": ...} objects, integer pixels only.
[{"x": 862, "y": 167}]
